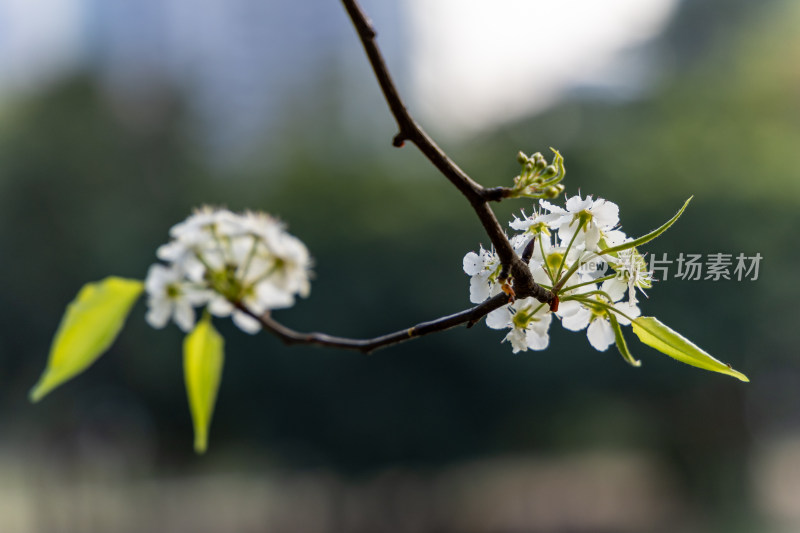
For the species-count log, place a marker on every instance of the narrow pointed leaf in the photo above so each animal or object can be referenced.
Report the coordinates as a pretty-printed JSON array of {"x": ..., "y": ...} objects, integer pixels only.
[
  {"x": 203, "y": 358},
  {"x": 650, "y": 236},
  {"x": 90, "y": 325},
  {"x": 622, "y": 346},
  {"x": 656, "y": 335}
]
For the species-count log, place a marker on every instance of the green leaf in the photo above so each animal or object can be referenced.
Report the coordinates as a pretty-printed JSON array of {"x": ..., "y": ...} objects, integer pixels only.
[
  {"x": 656, "y": 335},
  {"x": 89, "y": 327},
  {"x": 622, "y": 346},
  {"x": 650, "y": 236},
  {"x": 203, "y": 357}
]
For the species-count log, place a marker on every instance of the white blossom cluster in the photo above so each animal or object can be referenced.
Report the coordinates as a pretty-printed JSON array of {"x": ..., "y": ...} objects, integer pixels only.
[
  {"x": 222, "y": 260},
  {"x": 566, "y": 241}
]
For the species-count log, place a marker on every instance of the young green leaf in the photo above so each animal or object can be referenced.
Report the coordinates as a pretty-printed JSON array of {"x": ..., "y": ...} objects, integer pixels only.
[
  {"x": 650, "y": 236},
  {"x": 89, "y": 327},
  {"x": 203, "y": 357},
  {"x": 656, "y": 335},
  {"x": 622, "y": 346}
]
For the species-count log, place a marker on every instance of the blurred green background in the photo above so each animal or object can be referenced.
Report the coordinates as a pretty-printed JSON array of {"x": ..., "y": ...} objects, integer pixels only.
[{"x": 451, "y": 432}]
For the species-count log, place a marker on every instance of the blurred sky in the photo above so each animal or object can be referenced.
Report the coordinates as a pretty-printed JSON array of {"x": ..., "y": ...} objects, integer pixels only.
[
  {"x": 468, "y": 65},
  {"x": 508, "y": 58}
]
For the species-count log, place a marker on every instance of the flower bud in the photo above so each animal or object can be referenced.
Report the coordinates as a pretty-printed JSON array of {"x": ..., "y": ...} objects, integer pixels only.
[
  {"x": 522, "y": 158},
  {"x": 552, "y": 191},
  {"x": 549, "y": 172},
  {"x": 539, "y": 161}
]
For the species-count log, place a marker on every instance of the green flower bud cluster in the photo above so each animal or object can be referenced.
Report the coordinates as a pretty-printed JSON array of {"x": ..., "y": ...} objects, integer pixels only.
[{"x": 537, "y": 179}]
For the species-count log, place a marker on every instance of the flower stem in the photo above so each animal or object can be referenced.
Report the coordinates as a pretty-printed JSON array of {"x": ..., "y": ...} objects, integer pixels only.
[{"x": 569, "y": 246}]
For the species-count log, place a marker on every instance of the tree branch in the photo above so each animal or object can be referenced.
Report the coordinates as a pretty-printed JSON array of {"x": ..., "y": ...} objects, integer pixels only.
[
  {"x": 477, "y": 195},
  {"x": 290, "y": 336},
  {"x": 408, "y": 128}
]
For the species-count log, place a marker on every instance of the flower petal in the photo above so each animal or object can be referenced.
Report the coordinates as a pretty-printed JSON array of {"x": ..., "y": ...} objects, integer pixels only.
[
  {"x": 630, "y": 309},
  {"x": 600, "y": 334},
  {"x": 499, "y": 318},
  {"x": 550, "y": 207},
  {"x": 537, "y": 340},
  {"x": 576, "y": 204},
  {"x": 246, "y": 323},
  {"x": 614, "y": 237},
  {"x": 184, "y": 315},
  {"x": 158, "y": 312},
  {"x": 518, "y": 339},
  {"x": 615, "y": 288},
  {"x": 219, "y": 306},
  {"x": 271, "y": 297},
  {"x": 606, "y": 214},
  {"x": 472, "y": 264},
  {"x": 578, "y": 320},
  {"x": 479, "y": 288},
  {"x": 521, "y": 224},
  {"x": 568, "y": 308},
  {"x": 592, "y": 237}
]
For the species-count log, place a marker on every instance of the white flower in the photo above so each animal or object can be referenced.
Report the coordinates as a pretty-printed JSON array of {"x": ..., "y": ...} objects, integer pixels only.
[
  {"x": 273, "y": 267},
  {"x": 291, "y": 263},
  {"x": 232, "y": 260},
  {"x": 199, "y": 242},
  {"x": 484, "y": 268},
  {"x": 543, "y": 265},
  {"x": 576, "y": 316},
  {"x": 170, "y": 296},
  {"x": 535, "y": 223},
  {"x": 632, "y": 273},
  {"x": 531, "y": 323},
  {"x": 204, "y": 221},
  {"x": 583, "y": 230},
  {"x": 594, "y": 218},
  {"x": 260, "y": 224}
]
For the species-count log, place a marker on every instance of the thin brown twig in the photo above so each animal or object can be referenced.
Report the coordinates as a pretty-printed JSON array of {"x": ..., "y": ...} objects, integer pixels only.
[
  {"x": 468, "y": 316},
  {"x": 478, "y": 196},
  {"x": 411, "y": 131}
]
